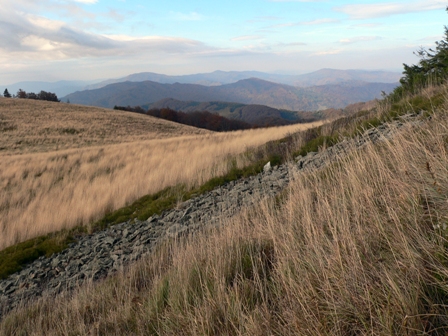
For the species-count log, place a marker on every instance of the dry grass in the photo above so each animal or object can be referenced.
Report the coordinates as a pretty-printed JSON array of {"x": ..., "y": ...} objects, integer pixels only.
[
  {"x": 50, "y": 191},
  {"x": 356, "y": 249},
  {"x": 28, "y": 126}
]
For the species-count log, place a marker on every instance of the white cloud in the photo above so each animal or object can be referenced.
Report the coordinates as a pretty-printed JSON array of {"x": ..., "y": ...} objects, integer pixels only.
[
  {"x": 327, "y": 52},
  {"x": 89, "y": 2},
  {"x": 432, "y": 38},
  {"x": 367, "y": 25},
  {"x": 365, "y": 11},
  {"x": 306, "y": 23},
  {"x": 247, "y": 38},
  {"x": 33, "y": 37},
  {"x": 192, "y": 16},
  {"x": 297, "y": 0},
  {"x": 318, "y": 22},
  {"x": 359, "y": 39}
]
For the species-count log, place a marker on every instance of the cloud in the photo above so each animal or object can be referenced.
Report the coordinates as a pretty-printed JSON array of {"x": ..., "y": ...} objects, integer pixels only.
[
  {"x": 247, "y": 38},
  {"x": 89, "y": 2},
  {"x": 38, "y": 38},
  {"x": 115, "y": 15},
  {"x": 292, "y": 44},
  {"x": 327, "y": 52},
  {"x": 359, "y": 39},
  {"x": 264, "y": 19},
  {"x": 192, "y": 16},
  {"x": 432, "y": 38},
  {"x": 367, "y": 25},
  {"x": 365, "y": 11},
  {"x": 297, "y": 0},
  {"x": 318, "y": 22},
  {"x": 306, "y": 23}
]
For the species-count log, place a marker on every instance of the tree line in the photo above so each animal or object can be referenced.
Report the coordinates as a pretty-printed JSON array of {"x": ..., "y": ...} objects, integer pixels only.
[
  {"x": 42, "y": 95},
  {"x": 200, "y": 119}
]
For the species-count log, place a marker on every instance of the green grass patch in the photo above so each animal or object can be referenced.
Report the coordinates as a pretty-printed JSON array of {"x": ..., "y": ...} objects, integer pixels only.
[
  {"x": 12, "y": 259},
  {"x": 316, "y": 143},
  {"x": 142, "y": 208}
]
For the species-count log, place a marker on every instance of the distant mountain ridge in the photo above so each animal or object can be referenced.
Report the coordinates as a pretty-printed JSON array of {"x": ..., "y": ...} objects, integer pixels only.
[
  {"x": 319, "y": 77},
  {"x": 247, "y": 91}
]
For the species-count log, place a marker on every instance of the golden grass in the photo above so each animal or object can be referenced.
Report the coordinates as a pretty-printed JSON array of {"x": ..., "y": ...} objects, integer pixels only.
[
  {"x": 356, "y": 249},
  {"x": 50, "y": 191},
  {"x": 28, "y": 126}
]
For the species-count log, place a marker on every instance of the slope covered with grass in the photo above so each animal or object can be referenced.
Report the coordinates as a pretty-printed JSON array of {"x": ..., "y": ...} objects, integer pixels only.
[{"x": 356, "y": 248}]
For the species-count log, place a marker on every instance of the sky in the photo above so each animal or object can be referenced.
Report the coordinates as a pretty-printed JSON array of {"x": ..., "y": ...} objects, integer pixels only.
[{"x": 51, "y": 40}]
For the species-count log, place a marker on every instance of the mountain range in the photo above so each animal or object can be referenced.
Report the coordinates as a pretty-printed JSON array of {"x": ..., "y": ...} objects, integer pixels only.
[
  {"x": 246, "y": 91},
  {"x": 319, "y": 77}
]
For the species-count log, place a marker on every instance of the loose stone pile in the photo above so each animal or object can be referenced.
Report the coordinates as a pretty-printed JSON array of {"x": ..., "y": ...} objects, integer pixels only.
[{"x": 101, "y": 254}]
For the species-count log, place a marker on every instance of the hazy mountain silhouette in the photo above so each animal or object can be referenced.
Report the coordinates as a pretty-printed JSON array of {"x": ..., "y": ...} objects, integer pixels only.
[
  {"x": 320, "y": 77},
  {"x": 247, "y": 91}
]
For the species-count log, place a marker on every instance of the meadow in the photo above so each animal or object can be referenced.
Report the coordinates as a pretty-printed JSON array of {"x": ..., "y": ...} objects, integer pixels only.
[
  {"x": 115, "y": 158},
  {"x": 30, "y": 126}
]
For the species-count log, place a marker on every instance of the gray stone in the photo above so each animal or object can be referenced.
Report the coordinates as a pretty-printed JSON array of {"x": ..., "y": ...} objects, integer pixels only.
[{"x": 267, "y": 167}]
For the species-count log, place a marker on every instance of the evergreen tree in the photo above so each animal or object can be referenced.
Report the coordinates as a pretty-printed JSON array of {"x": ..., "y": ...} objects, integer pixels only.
[
  {"x": 6, "y": 94},
  {"x": 432, "y": 67}
]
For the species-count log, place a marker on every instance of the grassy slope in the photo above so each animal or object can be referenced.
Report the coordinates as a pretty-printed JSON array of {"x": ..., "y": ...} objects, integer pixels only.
[
  {"x": 28, "y": 126},
  {"x": 67, "y": 191},
  {"x": 358, "y": 248},
  {"x": 14, "y": 257}
]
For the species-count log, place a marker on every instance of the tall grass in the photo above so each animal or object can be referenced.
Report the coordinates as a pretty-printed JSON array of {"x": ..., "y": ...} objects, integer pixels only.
[
  {"x": 358, "y": 248},
  {"x": 50, "y": 191}
]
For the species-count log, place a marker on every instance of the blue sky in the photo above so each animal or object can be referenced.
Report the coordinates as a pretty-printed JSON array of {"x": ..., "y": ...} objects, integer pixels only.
[{"x": 91, "y": 39}]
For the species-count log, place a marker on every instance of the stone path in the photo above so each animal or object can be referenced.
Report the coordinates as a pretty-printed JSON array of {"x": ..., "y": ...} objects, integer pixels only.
[{"x": 103, "y": 253}]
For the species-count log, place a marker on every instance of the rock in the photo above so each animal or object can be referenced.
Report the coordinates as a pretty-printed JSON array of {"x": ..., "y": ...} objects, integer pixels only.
[{"x": 267, "y": 167}]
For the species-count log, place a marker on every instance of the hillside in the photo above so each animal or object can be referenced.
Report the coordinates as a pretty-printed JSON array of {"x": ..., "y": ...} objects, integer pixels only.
[
  {"x": 260, "y": 114},
  {"x": 248, "y": 91},
  {"x": 357, "y": 240},
  {"x": 37, "y": 126},
  {"x": 253, "y": 114},
  {"x": 335, "y": 76}
]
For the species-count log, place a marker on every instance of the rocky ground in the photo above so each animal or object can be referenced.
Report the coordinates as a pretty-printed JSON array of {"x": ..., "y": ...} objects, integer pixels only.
[{"x": 96, "y": 256}]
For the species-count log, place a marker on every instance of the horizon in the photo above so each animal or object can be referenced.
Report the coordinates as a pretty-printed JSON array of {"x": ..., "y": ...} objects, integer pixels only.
[{"x": 94, "y": 40}]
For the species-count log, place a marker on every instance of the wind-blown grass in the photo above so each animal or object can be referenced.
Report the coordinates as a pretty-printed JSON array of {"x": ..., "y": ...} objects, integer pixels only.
[
  {"x": 357, "y": 248},
  {"x": 52, "y": 191}
]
